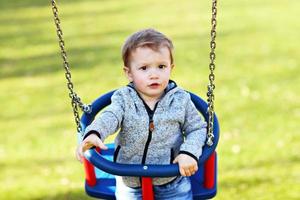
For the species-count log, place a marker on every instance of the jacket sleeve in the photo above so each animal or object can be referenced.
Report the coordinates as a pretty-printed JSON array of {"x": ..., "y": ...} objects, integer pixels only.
[
  {"x": 194, "y": 129},
  {"x": 109, "y": 120}
]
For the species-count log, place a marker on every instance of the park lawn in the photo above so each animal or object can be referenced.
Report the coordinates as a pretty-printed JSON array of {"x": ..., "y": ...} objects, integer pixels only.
[{"x": 257, "y": 93}]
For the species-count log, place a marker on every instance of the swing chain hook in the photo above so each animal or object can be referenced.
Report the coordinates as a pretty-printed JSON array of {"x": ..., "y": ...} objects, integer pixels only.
[
  {"x": 87, "y": 108},
  {"x": 211, "y": 77},
  {"x": 75, "y": 99}
]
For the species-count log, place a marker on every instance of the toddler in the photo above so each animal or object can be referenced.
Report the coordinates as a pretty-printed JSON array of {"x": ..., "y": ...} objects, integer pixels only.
[{"x": 158, "y": 122}]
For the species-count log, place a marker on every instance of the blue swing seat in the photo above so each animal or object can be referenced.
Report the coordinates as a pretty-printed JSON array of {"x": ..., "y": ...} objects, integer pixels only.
[{"x": 100, "y": 165}]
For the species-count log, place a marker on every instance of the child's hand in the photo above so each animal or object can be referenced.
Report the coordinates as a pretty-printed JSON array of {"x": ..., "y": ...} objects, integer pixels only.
[
  {"x": 87, "y": 143},
  {"x": 187, "y": 165}
]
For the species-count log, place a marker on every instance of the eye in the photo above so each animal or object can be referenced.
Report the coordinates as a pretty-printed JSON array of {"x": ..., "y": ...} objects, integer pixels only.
[
  {"x": 143, "y": 68},
  {"x": 162, "y": 66}
]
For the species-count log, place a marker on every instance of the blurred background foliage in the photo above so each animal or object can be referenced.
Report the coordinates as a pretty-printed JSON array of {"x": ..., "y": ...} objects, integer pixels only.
[{"x": 257, "y": 87}]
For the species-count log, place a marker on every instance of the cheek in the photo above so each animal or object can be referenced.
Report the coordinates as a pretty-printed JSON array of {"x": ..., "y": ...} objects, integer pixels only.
[
  {"x": 135, "y": 76},
  {"x": 167, "y": 74},
  {"x": 139, "y": 80}
]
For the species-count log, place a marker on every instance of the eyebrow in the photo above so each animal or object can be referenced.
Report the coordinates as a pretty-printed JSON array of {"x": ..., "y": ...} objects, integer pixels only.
[{"x": 160, "y": 62}]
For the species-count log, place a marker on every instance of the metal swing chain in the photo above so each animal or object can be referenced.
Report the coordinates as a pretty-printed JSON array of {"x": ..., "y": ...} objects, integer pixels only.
[
  {"x": 75, "y": 99},
  {"x": 211, "y": 85}
]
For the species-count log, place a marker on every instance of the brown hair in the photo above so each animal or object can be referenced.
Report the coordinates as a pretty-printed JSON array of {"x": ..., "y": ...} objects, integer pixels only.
[{"x": 145, "y": 38}]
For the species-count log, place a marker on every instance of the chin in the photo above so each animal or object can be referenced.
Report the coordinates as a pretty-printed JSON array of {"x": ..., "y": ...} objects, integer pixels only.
[{"x": 156, "y": 94}]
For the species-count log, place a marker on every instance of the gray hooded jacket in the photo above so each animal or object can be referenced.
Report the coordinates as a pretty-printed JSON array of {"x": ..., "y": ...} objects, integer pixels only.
[{"x": 151, "y": 136}]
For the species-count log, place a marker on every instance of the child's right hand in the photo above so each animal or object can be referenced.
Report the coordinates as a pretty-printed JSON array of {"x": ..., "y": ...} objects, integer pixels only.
[{"x": 87, "y": 143}]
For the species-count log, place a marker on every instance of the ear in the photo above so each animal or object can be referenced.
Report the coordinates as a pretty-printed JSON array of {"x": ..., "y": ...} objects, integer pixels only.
[
  {"x": 128, "y": 73},
  {"x": 172, "y": 66}
]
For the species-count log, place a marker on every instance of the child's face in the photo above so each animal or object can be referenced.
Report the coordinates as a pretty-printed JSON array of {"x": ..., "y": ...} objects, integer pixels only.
[{"x": 149, "y": 71}]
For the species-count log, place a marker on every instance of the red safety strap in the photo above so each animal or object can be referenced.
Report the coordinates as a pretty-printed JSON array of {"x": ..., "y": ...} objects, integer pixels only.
[
  {"x": 89, "y": 169},
  {"x": 90, "y": 176},
  {"x": 209, "y": 171},
  {"x": 147, "y": 188}
]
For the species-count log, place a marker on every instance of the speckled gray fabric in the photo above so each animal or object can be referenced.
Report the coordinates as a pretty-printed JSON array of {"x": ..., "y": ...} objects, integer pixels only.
[{"x": 175, "y": 115}]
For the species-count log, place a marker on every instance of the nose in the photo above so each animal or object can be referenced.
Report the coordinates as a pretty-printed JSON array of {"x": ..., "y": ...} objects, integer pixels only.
[{"x": 153, "y": 73}]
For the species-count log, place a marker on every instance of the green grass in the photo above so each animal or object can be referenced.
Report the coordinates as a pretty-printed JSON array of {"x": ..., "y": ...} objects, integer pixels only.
[{"x": 257, "y": 94}]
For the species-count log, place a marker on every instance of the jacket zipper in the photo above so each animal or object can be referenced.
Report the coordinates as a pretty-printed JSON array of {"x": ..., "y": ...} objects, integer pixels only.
[
  {"x": 116, "y": 153},
  {"x": 151, "y": 128}
]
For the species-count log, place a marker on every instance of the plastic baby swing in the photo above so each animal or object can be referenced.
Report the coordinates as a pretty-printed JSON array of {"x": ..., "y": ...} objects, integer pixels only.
[{"x": 99, "y": 168}]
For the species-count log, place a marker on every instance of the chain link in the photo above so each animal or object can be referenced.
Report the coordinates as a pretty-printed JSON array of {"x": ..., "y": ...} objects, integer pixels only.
[
  {"x": 211, "y": 77},
  {"x": 75, "y": 99}
]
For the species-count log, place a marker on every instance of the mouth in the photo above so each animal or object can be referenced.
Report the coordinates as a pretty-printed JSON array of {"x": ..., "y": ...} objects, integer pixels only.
[{"x": 154, "y": 85}]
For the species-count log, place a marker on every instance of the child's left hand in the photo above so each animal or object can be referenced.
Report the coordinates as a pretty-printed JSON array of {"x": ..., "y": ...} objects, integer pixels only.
[{"x": 187, "y": 165}]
